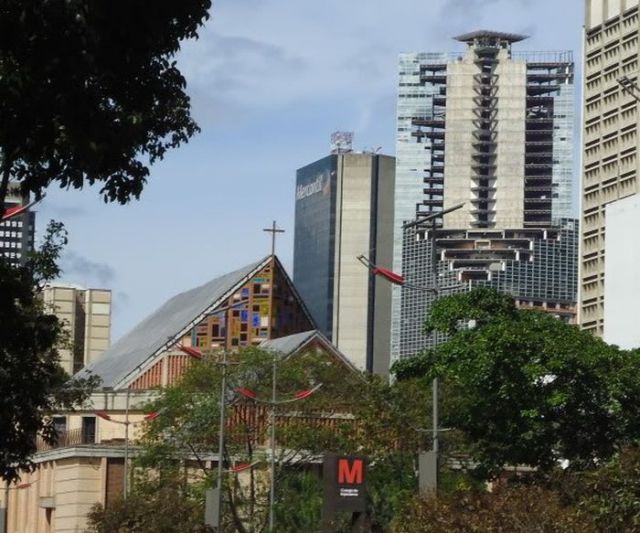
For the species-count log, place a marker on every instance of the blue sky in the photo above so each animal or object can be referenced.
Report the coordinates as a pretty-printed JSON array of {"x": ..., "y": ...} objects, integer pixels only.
[{"x": 269, "y": 80}]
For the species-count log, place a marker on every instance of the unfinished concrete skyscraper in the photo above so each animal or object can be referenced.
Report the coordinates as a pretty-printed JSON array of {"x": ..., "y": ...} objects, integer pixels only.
[{"x": 490, "y": 128}]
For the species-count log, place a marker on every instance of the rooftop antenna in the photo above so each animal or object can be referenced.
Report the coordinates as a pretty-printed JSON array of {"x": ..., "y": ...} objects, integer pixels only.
[{"x": 341, "y": 142}]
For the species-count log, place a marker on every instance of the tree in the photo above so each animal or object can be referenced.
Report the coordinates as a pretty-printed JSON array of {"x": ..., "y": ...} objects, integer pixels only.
[
  {"x": 350, "y": 413},
  {"x": 32, "y": 382},
  {"x": 165, "y": 511},
  {"x": 186, "y": 432},
  {"x": 527, "y": 388},
  {"x": 90, "y": 91},
  {"x": 608, "y": 495}
]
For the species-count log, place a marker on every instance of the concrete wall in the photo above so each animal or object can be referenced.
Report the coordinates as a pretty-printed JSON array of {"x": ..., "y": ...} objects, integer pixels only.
[
  {"x": 353, "y": 234},
  {"x": 511, "y": 87},
  {"x": 56, "y": 497},
  {"x": 512, "y": 101},
  {"x": 459, "y": 136},
  {"x": 599, "y": 11},
  {"x": 87, "y": 317},
  {"x": 364, "y": 220},
  {"x": 384, "y": 257},
  {"x": 79, "y": 486},
  {"x": 97, "y": 329},
  {"x": 622, "y": 282},
  {"x": 61, "y": 301}
]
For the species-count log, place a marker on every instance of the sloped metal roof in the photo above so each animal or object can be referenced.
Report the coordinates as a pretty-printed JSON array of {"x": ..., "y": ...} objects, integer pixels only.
[
  {"x": 289, "y": 344},
  {"x": 162, "y": 327},
  {"x": 292, "y": 343}
]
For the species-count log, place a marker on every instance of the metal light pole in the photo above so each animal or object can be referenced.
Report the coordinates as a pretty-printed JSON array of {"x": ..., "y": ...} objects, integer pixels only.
[
  {"x": 224, "y": 363},
  {"x": 126, "y": 447},
  {"x": 272, "y": 489},
  {"x": 223, "y": 390},
  {"x": 273, "y": 403},
  {"x": 423, "y": 220}
]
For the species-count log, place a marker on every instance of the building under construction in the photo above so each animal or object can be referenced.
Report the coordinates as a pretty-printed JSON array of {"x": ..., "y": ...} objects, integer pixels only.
[
  {"x": 489, "y": 129},
  {"x": 537, "y": 266}
]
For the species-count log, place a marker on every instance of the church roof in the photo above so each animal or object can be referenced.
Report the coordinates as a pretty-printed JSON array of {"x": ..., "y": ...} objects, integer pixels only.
[
  {"x": 162, "y": 328},
  {"x": 297, "y": 342}
]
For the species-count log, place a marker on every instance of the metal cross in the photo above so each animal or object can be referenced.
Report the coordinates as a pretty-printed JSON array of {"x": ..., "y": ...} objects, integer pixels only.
[{"x": 273, "y": 230}]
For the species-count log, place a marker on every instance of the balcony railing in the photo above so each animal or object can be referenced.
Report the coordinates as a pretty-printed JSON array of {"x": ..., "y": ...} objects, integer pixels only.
[{"x": 72, "y": 437}]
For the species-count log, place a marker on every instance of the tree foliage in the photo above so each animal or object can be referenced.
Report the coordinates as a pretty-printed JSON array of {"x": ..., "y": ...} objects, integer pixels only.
[
  {"x": 527, "y": 388},
  {"x": 604, "y": 499},
  {"x": 350, "y": 413},
  {"x": 517, "y": 509},
  {"x": 90, "y": 91},
  {"x": 167, "y": 510},
  {"x": 608, "y": 495},
  {"x": 32, "y": 382}
]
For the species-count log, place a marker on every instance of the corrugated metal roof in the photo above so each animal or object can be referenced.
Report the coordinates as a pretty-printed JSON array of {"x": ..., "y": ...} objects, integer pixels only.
[{"x": 164, "y": 325}]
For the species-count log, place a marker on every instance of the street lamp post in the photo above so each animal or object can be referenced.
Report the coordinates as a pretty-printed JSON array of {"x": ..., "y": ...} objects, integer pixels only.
[
  {"x": 435, "y": 289},
  {"x": 273, "y": 403},
  {"x": 224, "y": 362},
  {"x": 272, "y": 488}
]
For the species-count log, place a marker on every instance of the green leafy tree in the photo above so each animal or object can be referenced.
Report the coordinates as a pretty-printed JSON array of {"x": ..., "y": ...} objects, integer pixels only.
[
  {"x": 526, "y": 388},
  {"x": 90, "y": 91},
  {"x": 608, "y": 495},
  {"x": 350, "y": 413},
  {"x": 186, "y": 432},
  {"x": 32, "y": 382},
  {"x": 168, "y": 510}
]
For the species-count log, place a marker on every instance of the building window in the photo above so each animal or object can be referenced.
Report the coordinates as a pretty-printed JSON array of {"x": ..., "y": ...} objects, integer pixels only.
[
  {"x": 88, "y": 430},
  {"x": 60, "y": 425}
]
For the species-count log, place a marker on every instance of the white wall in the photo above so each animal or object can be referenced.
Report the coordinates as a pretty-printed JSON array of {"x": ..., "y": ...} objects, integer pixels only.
[{"x": 622, "y": 273}]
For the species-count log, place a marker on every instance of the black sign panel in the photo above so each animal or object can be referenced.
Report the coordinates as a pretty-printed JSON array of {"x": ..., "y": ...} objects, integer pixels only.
[{"x": 344, "y": 479}]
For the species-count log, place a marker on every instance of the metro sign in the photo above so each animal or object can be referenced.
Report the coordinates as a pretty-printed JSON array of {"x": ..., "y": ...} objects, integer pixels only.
[
  {"x": 350, "y": 471},
  {"x": 344, "y": 483}
]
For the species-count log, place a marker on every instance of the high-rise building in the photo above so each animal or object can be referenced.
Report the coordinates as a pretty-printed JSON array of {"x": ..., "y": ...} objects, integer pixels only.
[
  {"x": 17, "y": 233},
  {"x": 538, "y": 267},
  {"x": 344, "y": 209},
  {"x": 86, "y": 314},
  {"x": 621, "y": 281},
  {"x": 489, "y": 128},
  {"x": 610, "y": 139}
]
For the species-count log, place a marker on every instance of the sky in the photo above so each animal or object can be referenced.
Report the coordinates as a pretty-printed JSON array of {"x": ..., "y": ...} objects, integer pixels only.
[{"x": 270, "y": 80}]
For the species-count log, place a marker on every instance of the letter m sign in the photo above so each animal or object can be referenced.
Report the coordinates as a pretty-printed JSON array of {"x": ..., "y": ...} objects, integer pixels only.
[{"x": 350, "y": 471}]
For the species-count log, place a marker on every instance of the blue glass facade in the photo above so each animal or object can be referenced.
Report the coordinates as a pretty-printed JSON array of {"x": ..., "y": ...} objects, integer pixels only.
[{"x": 314, "y": 246}]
